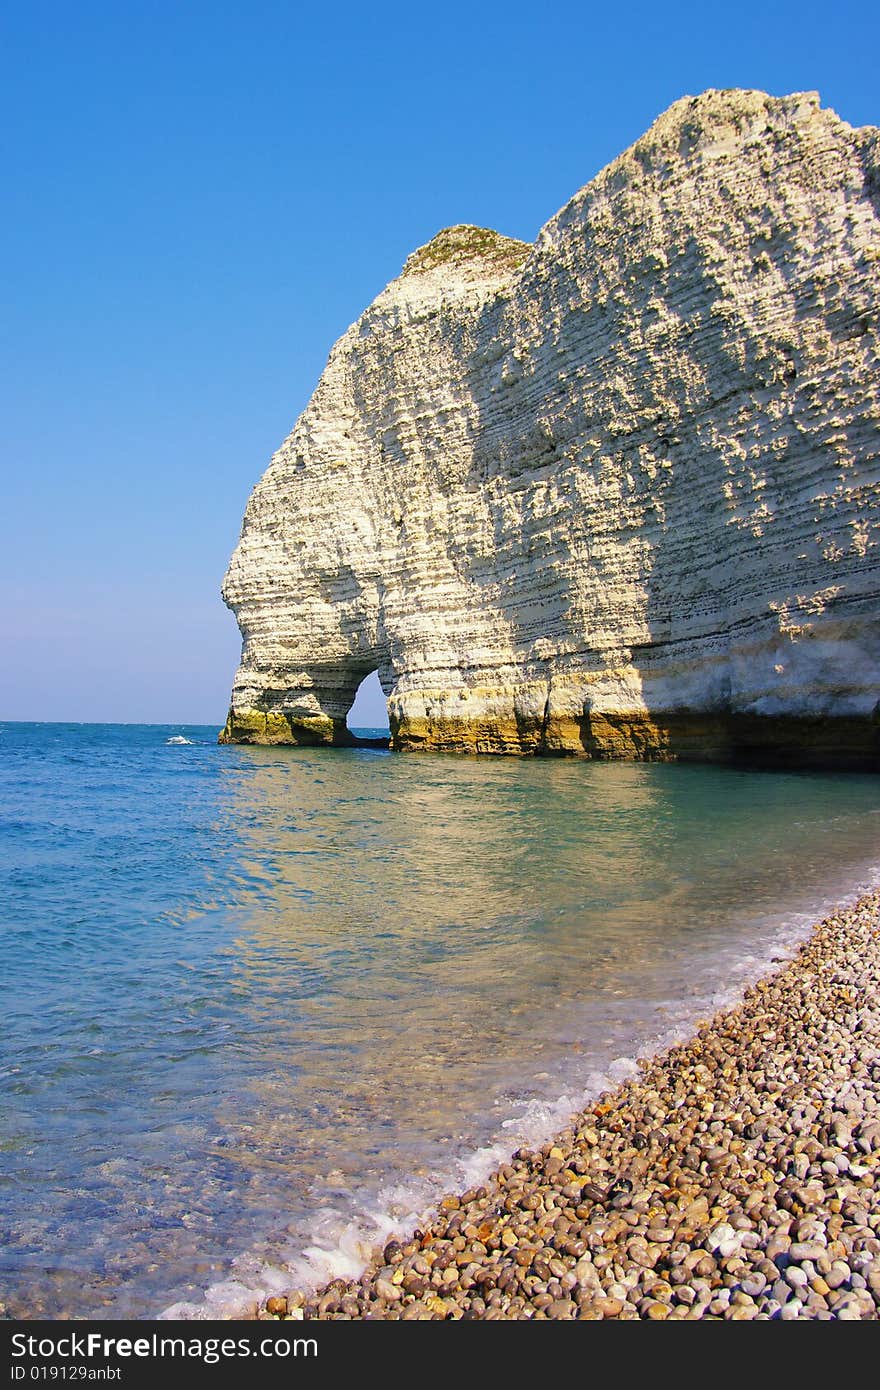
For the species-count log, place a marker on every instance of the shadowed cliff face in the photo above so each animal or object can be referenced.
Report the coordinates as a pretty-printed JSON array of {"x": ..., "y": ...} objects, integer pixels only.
[{"x": 616, "y": 494}]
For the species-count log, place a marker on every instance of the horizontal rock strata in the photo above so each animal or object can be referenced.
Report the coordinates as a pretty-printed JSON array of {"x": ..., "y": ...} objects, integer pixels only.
[
  {"x": 737, "y": 1179},
  {"x": 614, "y": 494}
]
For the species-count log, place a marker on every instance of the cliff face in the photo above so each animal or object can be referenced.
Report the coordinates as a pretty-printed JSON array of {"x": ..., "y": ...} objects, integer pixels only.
[{"x": 616, "y": 493}]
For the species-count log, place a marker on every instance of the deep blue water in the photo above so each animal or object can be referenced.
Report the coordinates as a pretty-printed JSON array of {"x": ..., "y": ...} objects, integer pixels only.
[{"x": 261, "y": 1003}]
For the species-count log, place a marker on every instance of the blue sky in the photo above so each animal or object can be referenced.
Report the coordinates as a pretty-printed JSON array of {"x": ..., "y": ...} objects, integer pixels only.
[{"x": 199, "y": 198}]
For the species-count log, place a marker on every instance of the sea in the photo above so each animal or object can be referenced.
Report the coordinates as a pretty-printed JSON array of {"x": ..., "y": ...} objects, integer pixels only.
[{"x": 262, "y": 1007}]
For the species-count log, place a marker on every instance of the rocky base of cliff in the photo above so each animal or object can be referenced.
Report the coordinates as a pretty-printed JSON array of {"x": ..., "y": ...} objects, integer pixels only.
[
  {"x": 272, "y": 727},
  {"x": 758, "y": 740}
]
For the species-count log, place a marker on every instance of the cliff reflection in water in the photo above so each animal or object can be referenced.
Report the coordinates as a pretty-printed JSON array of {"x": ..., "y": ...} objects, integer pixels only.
[{"x": 430, "y": 939}]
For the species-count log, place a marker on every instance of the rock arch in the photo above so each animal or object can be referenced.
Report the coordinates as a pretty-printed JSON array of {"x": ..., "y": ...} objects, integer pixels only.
[{"x": 614, "y": 494}]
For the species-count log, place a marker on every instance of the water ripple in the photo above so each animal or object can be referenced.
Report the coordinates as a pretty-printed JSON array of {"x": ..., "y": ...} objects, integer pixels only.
[{"x": 265, "y": 1000}]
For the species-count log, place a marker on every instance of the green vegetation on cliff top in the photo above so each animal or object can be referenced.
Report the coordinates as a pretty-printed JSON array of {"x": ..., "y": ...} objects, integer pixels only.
[{"x": 457, "y": 245}]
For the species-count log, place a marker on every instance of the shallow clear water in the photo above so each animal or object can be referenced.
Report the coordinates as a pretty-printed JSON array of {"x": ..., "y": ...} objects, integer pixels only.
[{"x": 260, "y": 1004}]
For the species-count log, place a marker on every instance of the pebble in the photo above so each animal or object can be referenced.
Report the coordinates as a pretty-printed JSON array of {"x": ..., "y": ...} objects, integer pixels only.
[
  {"x": 737, "y": 1177},
  {"x": 803, "y": 1250},
  {"x": 754, "y": 1284}
]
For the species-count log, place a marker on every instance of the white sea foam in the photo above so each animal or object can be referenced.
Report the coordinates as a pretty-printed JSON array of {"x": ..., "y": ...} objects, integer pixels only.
[{"x": 178, "y": 738}]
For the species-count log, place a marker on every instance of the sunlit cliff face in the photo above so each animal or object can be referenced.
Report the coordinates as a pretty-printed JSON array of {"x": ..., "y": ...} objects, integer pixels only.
[{"x": 615, "y": 494}]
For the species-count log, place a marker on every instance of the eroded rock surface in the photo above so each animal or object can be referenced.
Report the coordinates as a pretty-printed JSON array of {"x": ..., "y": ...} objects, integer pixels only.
[{"x": 616, "y": 493}]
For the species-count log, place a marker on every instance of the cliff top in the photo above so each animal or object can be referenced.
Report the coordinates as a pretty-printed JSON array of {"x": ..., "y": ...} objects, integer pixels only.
[{"x": 457, "y": 246}]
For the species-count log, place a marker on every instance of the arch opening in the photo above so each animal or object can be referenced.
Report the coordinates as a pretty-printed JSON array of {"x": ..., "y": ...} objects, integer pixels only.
[{"x": 367, "y": 719}]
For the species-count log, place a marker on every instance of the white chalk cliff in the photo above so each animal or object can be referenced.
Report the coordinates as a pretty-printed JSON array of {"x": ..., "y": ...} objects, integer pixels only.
[{"x": 614, "y": 494}]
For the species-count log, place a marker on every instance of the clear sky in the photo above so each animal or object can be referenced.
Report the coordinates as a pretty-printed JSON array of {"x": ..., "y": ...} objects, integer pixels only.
[{"x": 198, "y": 198}]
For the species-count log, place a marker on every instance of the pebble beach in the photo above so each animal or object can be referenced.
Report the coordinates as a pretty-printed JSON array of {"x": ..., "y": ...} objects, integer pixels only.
[{"x": 737, "y": 1178}]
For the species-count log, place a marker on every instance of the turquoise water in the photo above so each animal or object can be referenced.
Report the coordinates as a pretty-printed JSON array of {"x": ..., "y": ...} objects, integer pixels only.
[{"x": 261, "y": 1004}]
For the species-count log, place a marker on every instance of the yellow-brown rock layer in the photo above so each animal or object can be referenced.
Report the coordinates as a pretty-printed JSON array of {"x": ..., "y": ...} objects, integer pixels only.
[{"x": 634, "y": 735}]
